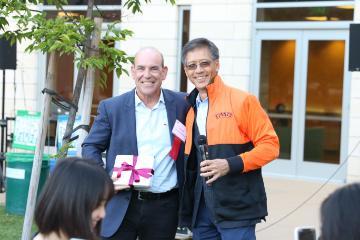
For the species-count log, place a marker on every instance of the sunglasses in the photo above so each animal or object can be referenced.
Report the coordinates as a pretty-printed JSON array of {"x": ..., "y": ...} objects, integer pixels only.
[{"x": 202, "y": 64}]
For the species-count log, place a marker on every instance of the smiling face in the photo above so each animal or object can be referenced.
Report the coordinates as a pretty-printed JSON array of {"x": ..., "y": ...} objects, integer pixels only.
[
  {"x": 200, "y": 68},
  {"x": 148, "y": 72},
  {"x": 98, "y": 214}
]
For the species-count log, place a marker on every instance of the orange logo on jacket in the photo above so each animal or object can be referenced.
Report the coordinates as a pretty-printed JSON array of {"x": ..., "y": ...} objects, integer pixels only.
[{"x": 224, "y": 115}]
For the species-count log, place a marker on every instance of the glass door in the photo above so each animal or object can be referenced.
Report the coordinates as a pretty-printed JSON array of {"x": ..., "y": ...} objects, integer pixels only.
[
  {"x": 276, "y": 74},
  {"x": 300, "y": 81},
  {"x": 323, "y": 116}
]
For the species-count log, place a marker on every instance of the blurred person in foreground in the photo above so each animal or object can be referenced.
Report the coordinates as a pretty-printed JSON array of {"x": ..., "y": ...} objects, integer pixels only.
[
  {"x": 340, "y": 214},
  {"x": 72, "y": 202},
  {"x": 224, "y": 195}
]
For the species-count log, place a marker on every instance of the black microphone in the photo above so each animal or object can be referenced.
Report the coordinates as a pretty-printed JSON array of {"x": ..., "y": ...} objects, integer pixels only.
[
  {"x": 202, "y": 142},
  {"x": 203, "y": 147}
]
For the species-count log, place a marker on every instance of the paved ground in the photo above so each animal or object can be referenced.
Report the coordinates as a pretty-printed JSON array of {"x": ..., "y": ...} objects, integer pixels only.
[{"x": 285, "y": 195}]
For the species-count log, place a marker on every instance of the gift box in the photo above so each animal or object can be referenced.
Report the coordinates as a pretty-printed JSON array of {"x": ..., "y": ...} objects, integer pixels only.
[{"x": 133, "y": 170}]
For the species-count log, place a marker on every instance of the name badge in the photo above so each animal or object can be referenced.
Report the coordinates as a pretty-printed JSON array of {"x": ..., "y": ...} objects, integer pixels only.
[{"x": 179, "y": 130}]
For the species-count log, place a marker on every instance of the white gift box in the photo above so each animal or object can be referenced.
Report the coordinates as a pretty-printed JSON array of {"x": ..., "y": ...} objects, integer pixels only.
[{"x": 138, "y": 176}]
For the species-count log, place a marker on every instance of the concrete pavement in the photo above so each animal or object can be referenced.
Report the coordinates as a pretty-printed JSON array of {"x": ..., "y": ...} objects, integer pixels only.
[{"x": 284, "y": 196}]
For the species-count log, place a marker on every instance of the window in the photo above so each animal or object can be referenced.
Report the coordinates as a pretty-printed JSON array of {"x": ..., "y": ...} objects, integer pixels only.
[
  {"x": 97, "y": 2},
  {"x": 109, "y": 10},
  {"x": 184, "y": 35},
  {"x": 326, "y": 13}
]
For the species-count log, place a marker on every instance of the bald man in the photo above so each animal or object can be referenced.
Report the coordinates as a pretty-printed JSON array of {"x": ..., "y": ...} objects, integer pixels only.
[{"x": 140, "y": 122}]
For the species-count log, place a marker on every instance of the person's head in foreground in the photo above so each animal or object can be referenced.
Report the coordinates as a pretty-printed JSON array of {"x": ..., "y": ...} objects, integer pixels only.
[
  {"x": 340, "y": 214},
  {"x": 73, "y": 200}
]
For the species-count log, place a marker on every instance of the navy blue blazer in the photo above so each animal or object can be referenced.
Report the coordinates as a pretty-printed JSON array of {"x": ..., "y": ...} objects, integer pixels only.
[{"x": 114, "y": 131}]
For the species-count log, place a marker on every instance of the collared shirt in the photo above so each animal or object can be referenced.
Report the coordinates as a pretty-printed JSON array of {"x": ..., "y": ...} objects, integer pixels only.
[
  {"x": 201, "y": 114},
  {"x": 153, "y": 139}
]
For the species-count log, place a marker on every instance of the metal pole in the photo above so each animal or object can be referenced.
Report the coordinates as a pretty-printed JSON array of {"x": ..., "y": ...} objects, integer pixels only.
[
  {"x": 3, "y": 114},
  {"x": 2, "y": 153}
]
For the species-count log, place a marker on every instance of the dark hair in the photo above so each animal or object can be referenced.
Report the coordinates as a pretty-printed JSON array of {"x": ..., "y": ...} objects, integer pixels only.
[
  {"x": 74, "y": 189},
  {"x": 200, "y": 43},
  {"x": 340, "y": 214}
]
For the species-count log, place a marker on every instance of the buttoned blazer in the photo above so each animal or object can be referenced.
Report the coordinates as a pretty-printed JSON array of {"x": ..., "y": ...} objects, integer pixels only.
[{"x": 114, "y": 132}]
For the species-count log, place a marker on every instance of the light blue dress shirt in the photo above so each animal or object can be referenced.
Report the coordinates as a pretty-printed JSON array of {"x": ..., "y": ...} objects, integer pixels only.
[
  {"x": 201, "y": 114},
  {"x": 153, "y": 139}
]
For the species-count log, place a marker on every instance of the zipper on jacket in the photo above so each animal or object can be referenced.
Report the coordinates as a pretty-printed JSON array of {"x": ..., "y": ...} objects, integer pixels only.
[{"x": 211, "y": 192}]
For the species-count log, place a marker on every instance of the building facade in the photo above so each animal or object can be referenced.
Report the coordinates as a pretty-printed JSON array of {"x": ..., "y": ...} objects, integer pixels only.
[{"x": 292, "y": 55}]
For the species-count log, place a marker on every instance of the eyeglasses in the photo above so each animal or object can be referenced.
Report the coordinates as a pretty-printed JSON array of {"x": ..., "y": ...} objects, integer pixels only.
[{"x": 201, "y": 64}]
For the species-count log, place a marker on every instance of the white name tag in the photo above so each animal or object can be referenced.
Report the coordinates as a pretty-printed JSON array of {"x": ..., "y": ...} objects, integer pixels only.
[{"x": 179, "y": 130}]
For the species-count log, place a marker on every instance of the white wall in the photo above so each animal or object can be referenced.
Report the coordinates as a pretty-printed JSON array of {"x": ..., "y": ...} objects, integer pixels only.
[
  {"x": 156, "y": 27},
  {"x": 24, "y": 93},
  {"x": 228, "y": 24},
  {"x": 354, "y": 130},
  {"x": 353, "y": 166}
]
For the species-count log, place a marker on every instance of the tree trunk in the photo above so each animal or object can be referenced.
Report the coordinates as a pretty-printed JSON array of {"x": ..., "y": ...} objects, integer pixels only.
[
  {"x": 79, "y": 83},
  {"x": 40, "y": 142},
  {"x": 89, "y": 87}
]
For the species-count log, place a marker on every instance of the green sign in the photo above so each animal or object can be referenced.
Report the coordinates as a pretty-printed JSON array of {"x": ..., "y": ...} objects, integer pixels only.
[{"x": 27, "y": 127}]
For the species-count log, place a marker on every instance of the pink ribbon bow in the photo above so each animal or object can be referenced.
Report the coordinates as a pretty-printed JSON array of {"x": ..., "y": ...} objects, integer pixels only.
[{"x": 135, "y": 173}]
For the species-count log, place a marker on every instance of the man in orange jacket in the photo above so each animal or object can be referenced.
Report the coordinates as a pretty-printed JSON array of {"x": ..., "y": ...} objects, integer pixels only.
[{"x": 229, "y": 197}]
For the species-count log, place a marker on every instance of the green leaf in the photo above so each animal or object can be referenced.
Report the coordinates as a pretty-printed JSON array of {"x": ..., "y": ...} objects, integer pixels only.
[
  {"x": 118, "y": 72},
  {"x": 126, "y": 71},
  {"x": 62, "y": 153}
]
